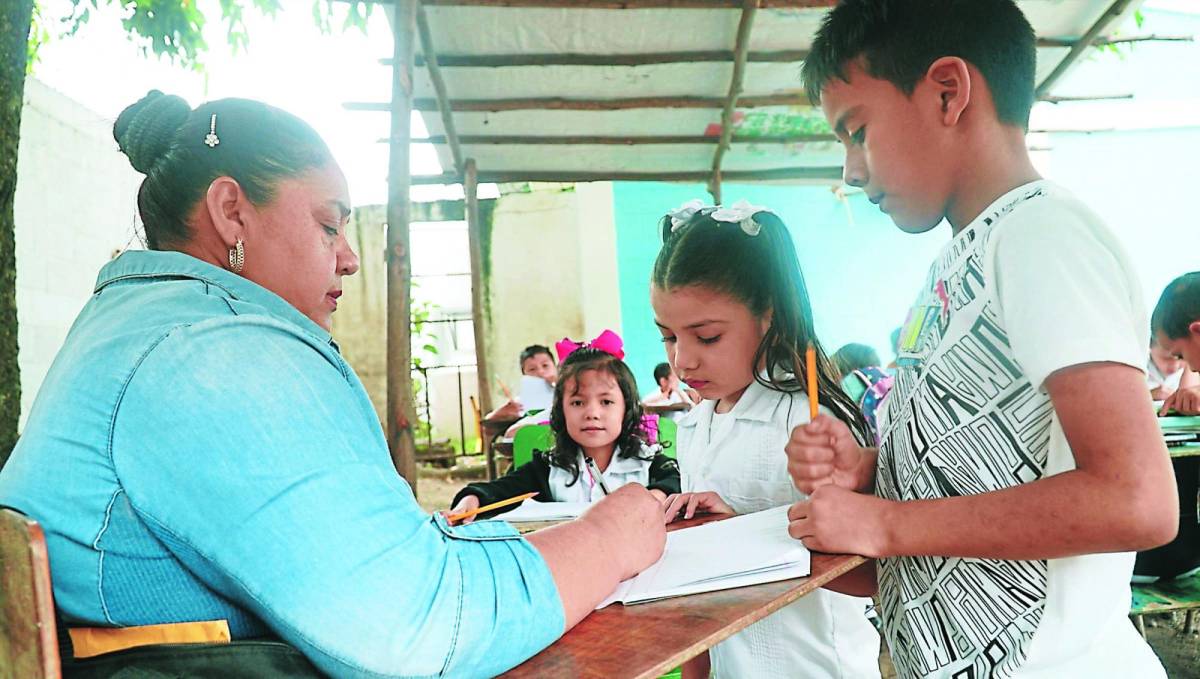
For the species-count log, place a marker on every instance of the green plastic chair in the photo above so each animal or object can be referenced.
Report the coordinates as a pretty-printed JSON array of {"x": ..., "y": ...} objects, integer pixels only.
[
  {"x": 528, "y": 439},
  {"x": 667, "y": 430}
]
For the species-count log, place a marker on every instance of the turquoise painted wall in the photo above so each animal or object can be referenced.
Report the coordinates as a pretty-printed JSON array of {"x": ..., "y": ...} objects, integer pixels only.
[{"x": 862, "y": 272}]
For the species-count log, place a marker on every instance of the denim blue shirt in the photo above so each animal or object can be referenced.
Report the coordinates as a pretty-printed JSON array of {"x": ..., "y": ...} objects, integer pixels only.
[{"x": 199, "y": 450}]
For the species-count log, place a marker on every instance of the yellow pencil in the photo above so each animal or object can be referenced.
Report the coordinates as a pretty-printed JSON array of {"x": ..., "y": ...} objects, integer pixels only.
[
  {"x": 504, "y": 388},
  {"x": 487, "y": 508},
  {"x": 811, "y": 359}
]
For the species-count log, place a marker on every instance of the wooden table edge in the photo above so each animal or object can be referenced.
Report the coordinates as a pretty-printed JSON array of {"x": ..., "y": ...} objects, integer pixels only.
[{"x": 851, "y": 562}]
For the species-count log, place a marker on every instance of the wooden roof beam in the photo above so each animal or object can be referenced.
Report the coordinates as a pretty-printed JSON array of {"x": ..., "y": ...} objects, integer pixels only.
[
  {"x": 626, "y": 4},
  {"x": 741, "y": 46},
  {"x": 822, "y": 174},
  {"x": 439, "y": 86},
  {"x": 564, "y": 104},
  {"x": 631, "y": 59},
  {"x": 599, "y": 140},
  {"x": 1085, "y": 42}
]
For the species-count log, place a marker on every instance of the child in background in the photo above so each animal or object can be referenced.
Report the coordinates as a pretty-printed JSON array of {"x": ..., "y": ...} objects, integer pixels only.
[
  {"x": 669, "y": 392},
  {"x": 599, "y": 445},
  {"x": 863, "y": 380},
  {"x": 730, "y": 302},
  {"x": 536, "y": 361},
  {"x": 1020, "y": 465},
  {"x": 1176, "y": 326}
]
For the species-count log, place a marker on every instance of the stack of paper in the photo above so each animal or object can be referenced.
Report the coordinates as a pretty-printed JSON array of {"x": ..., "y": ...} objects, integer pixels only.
[
  {"x": 532, "y": 510},
  {"x": 744, "y": 550}
]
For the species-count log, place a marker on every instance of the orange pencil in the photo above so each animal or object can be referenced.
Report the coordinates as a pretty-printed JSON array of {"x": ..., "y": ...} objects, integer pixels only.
[
  {"x": 811, "y": 359},
  {"x": 487, "y": 508}
]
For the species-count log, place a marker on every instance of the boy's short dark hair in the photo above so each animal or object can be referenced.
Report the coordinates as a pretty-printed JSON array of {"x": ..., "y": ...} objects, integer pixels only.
[
  {"x": 899, "y": 39},
  {"x": 661, "y": 372},
  {"x": 533, "y": 350},
  {"x": 1178, "y": 307}
]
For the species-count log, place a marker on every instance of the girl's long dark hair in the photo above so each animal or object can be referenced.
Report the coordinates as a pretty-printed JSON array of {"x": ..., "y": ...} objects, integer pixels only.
[
  {"x": 763, "y": 273},
  {"x": 565, "y": 454}
]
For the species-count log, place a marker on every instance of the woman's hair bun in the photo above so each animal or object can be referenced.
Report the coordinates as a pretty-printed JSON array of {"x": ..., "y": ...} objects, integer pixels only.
[{"x": 145, "y": 129}]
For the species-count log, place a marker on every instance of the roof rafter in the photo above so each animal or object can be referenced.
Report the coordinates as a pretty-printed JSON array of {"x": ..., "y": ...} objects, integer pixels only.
[{"x": 741, "y": 46}]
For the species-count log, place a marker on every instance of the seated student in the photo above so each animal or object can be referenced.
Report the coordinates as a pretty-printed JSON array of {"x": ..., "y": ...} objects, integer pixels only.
[
  {"x": 1176, "y": 327},
  {"x": 863, "y": 380},
  {"x": 535, "y": 361},
  {"x": 1165, "y": 373},
  {"x": 599, "y": 444},
  {"x": 669, "y": 392},
  {"x": 200, "y": 450}
]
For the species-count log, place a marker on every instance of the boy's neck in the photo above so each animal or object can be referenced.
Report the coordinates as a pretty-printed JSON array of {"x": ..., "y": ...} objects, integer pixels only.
[
  {"x": 602, "y": 456},
  {"x": 1001, "y": 165}
]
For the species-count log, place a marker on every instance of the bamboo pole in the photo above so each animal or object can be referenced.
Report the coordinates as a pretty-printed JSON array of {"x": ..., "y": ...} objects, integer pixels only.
[
  {"x": 475, "y": 243},
  {"x": 401, "y": 412}
]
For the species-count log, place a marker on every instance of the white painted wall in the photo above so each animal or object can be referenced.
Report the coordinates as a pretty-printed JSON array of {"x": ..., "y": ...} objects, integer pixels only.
[{"x": 76, "y": 204}]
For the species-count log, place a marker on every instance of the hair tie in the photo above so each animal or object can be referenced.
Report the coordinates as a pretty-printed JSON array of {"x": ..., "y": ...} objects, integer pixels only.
[
  {"x": 608, "y": 342},
  {"x": 740, "y": 213}
]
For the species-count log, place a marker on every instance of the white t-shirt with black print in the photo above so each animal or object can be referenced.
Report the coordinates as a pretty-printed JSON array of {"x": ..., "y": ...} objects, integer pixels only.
[{"x": 1035, "y": 284}]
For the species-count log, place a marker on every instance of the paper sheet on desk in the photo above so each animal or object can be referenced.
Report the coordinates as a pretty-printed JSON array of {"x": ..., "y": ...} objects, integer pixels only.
[
  {"x": 744, "y": 550},
  {"x": 532, "y": 510}
]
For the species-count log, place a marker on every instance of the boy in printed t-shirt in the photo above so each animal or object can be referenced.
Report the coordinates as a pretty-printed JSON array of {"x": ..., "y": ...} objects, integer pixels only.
[{"x": 1020, "y": 464}]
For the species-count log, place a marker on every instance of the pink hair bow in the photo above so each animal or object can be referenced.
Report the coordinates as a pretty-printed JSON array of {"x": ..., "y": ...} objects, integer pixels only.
[{"x": 608, "y": 342}]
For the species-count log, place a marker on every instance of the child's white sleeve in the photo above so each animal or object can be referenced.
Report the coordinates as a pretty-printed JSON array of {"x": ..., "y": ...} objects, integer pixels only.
[{"x": 1066, "y": 293}]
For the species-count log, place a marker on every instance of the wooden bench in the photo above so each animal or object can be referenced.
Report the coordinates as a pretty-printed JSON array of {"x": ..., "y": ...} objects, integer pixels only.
[
  {"x": 1180, "y": 594},
  {"x": 28, "y": 637}
]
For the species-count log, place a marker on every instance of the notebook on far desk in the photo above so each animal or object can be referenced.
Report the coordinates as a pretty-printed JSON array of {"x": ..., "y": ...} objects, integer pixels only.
[{"x": 749, "y": 549}]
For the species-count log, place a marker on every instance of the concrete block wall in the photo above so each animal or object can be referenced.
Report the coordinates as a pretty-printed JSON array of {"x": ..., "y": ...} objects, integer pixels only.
[{"x": 76, "y": 205}]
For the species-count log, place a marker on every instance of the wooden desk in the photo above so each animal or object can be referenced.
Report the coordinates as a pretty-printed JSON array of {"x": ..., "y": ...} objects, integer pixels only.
[
  {"x": 662, "y": 410},
  {"x": 1186, "y": 450},
  {"x": 489, "y": 430},
  {"x": 648, "y": 640}
]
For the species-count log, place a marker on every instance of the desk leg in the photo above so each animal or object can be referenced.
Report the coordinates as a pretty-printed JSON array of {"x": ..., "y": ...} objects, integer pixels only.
[{"x": 488, "y": 453}]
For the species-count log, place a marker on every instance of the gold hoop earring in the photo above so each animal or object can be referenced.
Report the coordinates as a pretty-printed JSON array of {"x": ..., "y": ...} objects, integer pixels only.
[{"x": 237, "y": 257}]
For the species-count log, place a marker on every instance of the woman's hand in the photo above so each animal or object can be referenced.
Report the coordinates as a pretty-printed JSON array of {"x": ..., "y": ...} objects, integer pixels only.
[
  {"x": 687, "y": 505},
  {"x": 468, "y": 503}
]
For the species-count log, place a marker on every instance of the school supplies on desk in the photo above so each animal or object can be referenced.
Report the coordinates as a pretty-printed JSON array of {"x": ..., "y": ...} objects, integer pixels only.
[
  {"x": 749, "y": 549},
  {"x": 536, "y": 393},
  {"x": 487, "y": 508},
  {"x": 532, "y": 510}
]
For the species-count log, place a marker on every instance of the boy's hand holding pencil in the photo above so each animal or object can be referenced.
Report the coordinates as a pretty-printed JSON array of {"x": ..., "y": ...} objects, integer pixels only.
[{"x": 824, "y": 452}]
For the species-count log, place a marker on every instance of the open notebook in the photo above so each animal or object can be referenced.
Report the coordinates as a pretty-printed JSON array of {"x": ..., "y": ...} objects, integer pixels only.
[
  {"x": 532, "y": 510},
  {"x": 744, "y": 550}
]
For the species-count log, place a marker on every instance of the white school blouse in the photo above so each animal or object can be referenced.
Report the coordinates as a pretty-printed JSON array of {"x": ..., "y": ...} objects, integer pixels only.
[{"x": 741, "y": 457}]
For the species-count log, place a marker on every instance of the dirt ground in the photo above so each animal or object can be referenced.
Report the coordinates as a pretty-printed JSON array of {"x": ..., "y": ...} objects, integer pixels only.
[{"x": 1179, "y": 651}]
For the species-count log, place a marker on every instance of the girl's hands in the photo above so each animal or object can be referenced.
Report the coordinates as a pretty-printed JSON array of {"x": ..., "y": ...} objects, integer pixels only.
[
  {"x": 468, "y": 503},
  {"x": 687, "y": 505}
]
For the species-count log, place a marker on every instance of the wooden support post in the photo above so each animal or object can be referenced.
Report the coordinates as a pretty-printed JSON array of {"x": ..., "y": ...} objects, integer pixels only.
[
  {"x": 740, "y": 48},
  {"x": 478, "y": 307},
  {"x": 401, "y": 412}
]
